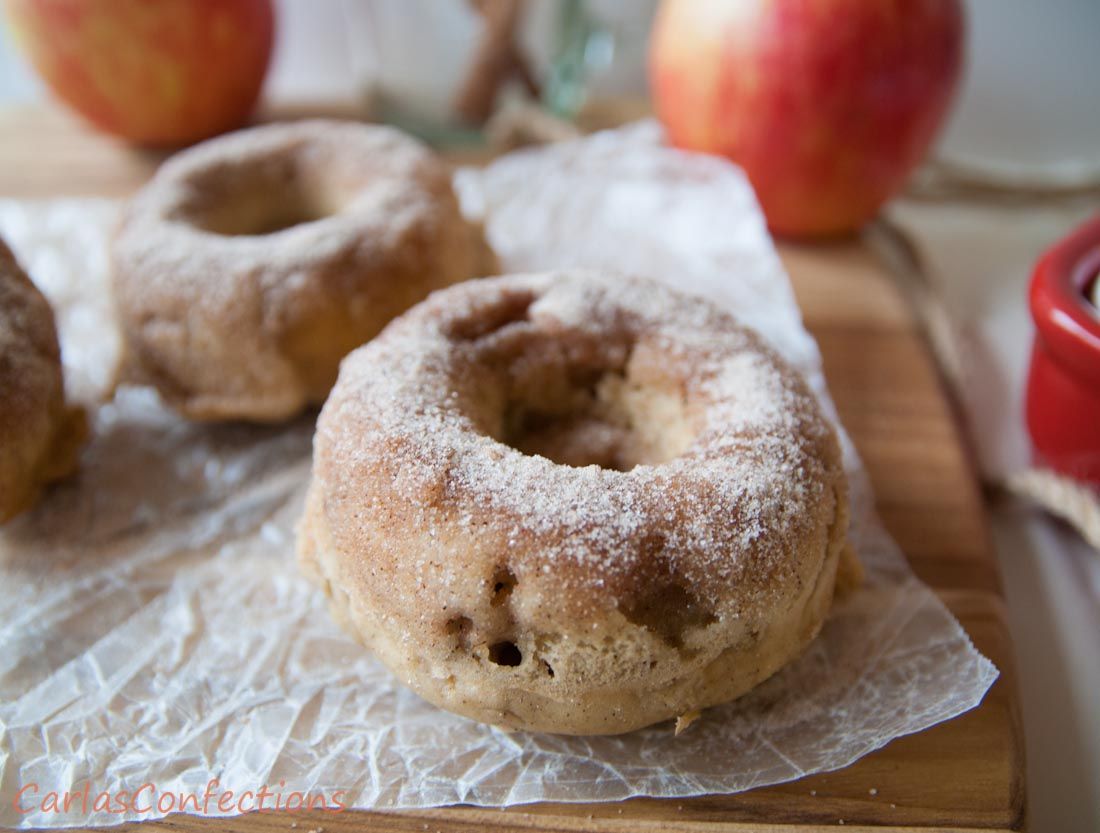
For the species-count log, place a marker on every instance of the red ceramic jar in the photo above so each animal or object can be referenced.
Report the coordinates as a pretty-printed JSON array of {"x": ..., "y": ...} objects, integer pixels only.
[{"x": 1063, "y": 389}]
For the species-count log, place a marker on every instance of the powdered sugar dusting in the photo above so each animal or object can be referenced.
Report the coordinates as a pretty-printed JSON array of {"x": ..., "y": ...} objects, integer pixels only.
[
  {"x": 251, "y": 263},
  {"x": 760, "y": 471}
]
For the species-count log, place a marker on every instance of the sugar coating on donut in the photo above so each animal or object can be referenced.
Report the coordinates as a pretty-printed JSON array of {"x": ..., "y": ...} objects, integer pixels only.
[
  {"x": 39, "y": 436},
  {"x": 252, "y": 263},
  {"x": 574, "y": 502}
]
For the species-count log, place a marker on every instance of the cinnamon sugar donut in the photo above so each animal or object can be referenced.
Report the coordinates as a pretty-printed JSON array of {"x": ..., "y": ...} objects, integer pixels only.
[
  {"x": 252, "y": 263},
  {"x": 574, "y": 502},
  {"x": 39, "y": 435}
]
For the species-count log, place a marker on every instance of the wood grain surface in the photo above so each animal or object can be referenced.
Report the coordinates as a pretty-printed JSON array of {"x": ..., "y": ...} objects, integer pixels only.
[{"x": 967, "y": 773}]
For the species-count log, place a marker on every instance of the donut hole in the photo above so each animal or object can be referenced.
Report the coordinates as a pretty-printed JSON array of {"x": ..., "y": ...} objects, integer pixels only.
[
  {"x": 534, "y": 379},
  {"x": 259, "y": 199},
  {"x": 251, "y": 216},
  {"x": 615, "y": 423},
  {"x": 507, "y": 654}
]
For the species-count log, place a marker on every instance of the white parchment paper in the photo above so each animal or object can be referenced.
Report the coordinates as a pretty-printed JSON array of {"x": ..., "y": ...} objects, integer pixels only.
[{"x": 154, "y": 628}]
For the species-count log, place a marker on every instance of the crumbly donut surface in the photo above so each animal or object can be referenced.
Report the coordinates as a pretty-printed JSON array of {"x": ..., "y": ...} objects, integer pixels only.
[
  {"x": 574, "y": 502},
  {"x": 39, "y": 436},
  {"x": 252, "y": 263}
]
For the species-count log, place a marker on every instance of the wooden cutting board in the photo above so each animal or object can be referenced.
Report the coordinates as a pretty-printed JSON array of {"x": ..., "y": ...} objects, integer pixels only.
[{"x": 964, "y": 774}]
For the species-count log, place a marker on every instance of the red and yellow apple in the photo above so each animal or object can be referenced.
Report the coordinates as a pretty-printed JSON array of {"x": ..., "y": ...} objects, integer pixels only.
[
  {"x": 828, "y": 105},
  {"x": 156, "y": 72}
]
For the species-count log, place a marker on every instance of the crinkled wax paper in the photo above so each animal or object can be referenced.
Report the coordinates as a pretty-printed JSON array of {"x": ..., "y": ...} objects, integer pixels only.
[{"x": 154, "y": 628}]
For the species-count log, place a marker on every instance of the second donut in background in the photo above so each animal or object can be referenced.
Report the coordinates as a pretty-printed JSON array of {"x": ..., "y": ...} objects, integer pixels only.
[{"x": 251, "y": 264}]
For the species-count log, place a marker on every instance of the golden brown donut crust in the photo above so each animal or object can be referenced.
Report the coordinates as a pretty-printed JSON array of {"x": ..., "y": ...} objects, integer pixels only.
[
  {"x": 693, "y": 561},
  {"x": 39, "y": 436},
  {"x": 252, "y": 263}
]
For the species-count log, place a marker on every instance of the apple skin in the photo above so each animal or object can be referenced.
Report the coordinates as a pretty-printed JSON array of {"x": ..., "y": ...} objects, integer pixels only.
[
  {"x": 155, "y": 72},
  {"x": 828, "y": 105}
]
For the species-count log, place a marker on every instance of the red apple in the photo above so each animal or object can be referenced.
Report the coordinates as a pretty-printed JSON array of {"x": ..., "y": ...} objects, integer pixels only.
[
  {"x": 828, "y": 105},
  {"x": 156, "y": 72}
]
